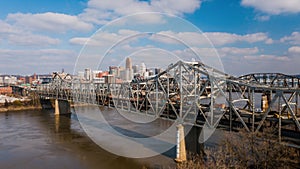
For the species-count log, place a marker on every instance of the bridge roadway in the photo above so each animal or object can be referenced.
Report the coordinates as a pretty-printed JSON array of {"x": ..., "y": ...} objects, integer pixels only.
[{"x": 196, "y": 94}]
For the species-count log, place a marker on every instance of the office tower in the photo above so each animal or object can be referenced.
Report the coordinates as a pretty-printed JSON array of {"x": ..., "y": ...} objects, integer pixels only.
[
  {"x": 142, "y": 69},
  {"x": 128, "y": 63},
  {"x": 88, "y": 74},
  {"x": 135, "y": 69},
  {"x": 128, "y": 71}
]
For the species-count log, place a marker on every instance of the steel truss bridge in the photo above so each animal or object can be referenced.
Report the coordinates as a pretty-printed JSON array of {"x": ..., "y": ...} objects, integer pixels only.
[{"x": 196, "y": 94}]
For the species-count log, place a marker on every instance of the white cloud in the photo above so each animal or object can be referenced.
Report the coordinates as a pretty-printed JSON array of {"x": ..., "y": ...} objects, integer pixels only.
[
  {"x": 233, "y": 51},
  {"x": 274, "y": 7},
  {"x": 53, "y": 22},
  {"x": 6, "y": 28},
  {"x": 208, "y": 56},
  {"x": 177, "y": 7},
  {"x": 82, "y": 41},
  {"x": 126, "y": 7},
  {"x": 100, "y": 39},
  {"x": 100, "y": 12},
  {"x": 170, "y": 37},
  {"x": 267, "y": 58},
  {"x": 16, "y": 36},
  {"x": 294, "y": 38},
  {"x": 220, "y": 38},
  {"x": 35, "y": 53},
  {"x": 294, "y": 50},
  {"x": 42, "y": 60},
  {"x": 262, "y": 18},
  {"x": 105, "y": 38},
  {"x": 224, "y": 51},
  {"x": 31, "y": 39},
  {"x": 217, "y": 38}
]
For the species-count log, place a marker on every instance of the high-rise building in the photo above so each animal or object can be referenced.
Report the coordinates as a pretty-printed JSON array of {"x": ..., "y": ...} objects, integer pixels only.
[
  {"x": 123, "y": 74},
  {"x": 128, "y": 63},
  {"x": 158, "y": 70},
  {"x": 113, "y": 70},
  {"x": 1, "y": 80},
  {"x": 88, "y": 74},
  {"x": 128, "y": 71},
  {"x": 135, "y": 69},
  {"x": 81, "y": 75},
  {"x": 142, "y": 69},
  {"x": 151, "y": 73}
]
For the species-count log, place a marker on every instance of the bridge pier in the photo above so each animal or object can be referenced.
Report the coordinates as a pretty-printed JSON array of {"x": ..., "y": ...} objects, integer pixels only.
[
  {"x": 61, "y": 107},
  {"x": 265, "y": 101},
  {"x": 180, "y": 148},
  {"x": 46, "y": 103}
]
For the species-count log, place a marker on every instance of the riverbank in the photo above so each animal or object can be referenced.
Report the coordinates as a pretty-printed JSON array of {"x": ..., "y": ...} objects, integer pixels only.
[{"x": 21, "y": 108}]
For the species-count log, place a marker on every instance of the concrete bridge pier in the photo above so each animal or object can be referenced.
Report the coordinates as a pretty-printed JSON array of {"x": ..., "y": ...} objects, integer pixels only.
[
  {"x": 62, "y": 107},
  {"x": 180, "y": 147},
  {"x": 46, "y": 103}
]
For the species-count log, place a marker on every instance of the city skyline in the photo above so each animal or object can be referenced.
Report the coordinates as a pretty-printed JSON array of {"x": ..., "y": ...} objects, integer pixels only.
[
  {"x": 249, "y": 35},
  {"x": 118, "y": 74}
]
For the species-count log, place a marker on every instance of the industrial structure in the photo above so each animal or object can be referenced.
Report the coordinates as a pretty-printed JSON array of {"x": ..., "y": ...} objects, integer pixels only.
[{"x": 196, "y": 94}]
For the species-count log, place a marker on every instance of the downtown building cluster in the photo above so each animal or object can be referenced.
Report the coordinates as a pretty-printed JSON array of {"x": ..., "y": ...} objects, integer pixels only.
[
  {"x": 118, "y": 74},
  {"x": 8, "y": 81}
]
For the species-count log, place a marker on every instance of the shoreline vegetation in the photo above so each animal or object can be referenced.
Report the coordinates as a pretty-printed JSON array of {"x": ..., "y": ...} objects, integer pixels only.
[{"x": 246, "y": 150}]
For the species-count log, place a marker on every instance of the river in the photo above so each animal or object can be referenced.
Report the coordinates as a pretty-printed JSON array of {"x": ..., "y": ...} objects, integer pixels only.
[{"x": 40, "y": 140}]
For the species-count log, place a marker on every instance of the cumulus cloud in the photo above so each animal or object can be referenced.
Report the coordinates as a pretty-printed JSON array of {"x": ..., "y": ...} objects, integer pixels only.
[
  {"x": 217, "y": 38},
  {"x": 100, "y": 12},
  {"x": 6, "y": 28},
  {"x": 105, "y": 38},
  {"x": 262, "y": 18},
  {"x": 82, "y": 41},
  {"x": 220, "y": 38},
  {"x": 9, "y": 52},
  {"x": 294, "y": 38},
  {"x": 267, "y": 58},
  {"x": 16, "y": 36},
  {"x": 42, "y": 60},
  {"x": 31, "y": 39},
  {"x": 53, "y": 22},
  {"x": 234, "y": 51},
  {"x": 177, "y": 7},
  {"x": 170, "y": 37},
  {"x": 222, "y": 52},
  {"x": 274, "y": 7},
  {"x": 294, "y": 50}
]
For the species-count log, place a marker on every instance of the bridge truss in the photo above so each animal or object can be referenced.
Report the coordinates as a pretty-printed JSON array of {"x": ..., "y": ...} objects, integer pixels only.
[{"x": 196, "y": 94}]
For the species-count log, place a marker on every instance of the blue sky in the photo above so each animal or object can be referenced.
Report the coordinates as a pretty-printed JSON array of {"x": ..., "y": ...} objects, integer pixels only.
[{"x": 249, "y": 35}]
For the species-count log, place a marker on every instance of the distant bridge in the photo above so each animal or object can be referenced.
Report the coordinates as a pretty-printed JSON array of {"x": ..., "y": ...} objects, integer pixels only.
[
  {"x": 196, "y": 94},
  {"x": 273, "y": 79}
]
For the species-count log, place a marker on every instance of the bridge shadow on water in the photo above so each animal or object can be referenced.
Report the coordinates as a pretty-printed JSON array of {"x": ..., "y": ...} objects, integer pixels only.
[{"x": 144, "y": 134}]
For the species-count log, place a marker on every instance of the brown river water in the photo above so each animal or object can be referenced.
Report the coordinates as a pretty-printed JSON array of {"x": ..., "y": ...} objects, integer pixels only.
[{"x": 40, "y": 140}]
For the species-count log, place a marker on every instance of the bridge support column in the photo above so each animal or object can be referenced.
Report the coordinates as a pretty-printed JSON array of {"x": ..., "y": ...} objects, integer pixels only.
[
  {"x": 264, "y": 102},
  {"x": 56, "y": 107},
  {"x": 62, "y": 107},
  {"x": 46, "y": 103},
  {"x": 180, "y": 148}
]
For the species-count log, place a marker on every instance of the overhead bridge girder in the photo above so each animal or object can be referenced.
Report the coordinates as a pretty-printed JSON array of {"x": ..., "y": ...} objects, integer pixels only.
[
  {"x": 273, "y": 79},
  {"x": 197, "y": 94}
]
